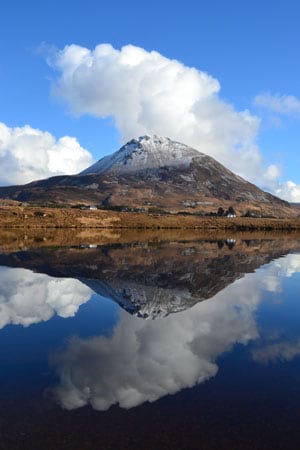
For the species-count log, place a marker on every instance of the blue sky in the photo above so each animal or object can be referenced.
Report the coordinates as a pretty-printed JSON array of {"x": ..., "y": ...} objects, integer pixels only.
[{"x": 250, "y": 48}]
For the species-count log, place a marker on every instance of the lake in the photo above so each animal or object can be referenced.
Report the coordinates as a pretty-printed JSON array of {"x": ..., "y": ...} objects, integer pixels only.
[{"x": 151, "y": 344}]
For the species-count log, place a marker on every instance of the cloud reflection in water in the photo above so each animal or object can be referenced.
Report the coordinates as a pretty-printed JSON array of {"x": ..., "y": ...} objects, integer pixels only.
[
  {"x": 27, "y": 298},
  {"x": 146, "y": 360}
]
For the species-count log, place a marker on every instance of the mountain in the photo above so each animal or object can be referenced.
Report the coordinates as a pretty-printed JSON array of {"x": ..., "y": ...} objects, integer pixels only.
[{"x": 155, "y": 172}]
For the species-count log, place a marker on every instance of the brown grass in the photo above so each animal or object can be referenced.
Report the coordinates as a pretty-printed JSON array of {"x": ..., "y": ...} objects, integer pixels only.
[{"x": 26, "y": 217}]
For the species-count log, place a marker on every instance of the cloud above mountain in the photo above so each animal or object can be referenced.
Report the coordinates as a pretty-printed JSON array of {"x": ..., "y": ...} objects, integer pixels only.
[
  {"x": 28, "y": 154},
  {"x": 147, "y": 93}
]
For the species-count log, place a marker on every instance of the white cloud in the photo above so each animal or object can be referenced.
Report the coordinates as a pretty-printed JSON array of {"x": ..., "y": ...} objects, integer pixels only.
[
  {"x": 27, "y": 298},
  {"x": 271, "y": 174},
  {"x": 147, "y": 93},
  {"x": 27, "y": 154},
  {"x": 286, "y": 105},
  {"x": 289, "y": 191}
]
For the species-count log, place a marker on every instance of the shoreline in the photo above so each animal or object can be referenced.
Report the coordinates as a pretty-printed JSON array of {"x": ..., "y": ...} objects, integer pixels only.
[{"x": 32, "y": 217}]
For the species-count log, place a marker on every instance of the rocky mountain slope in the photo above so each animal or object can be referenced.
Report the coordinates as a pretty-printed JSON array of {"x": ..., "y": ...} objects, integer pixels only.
[{"x": 149, "y": 172}]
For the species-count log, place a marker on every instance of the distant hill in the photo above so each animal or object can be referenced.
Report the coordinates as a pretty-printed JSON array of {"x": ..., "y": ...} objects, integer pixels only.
[{"x": 152, "y": 172}]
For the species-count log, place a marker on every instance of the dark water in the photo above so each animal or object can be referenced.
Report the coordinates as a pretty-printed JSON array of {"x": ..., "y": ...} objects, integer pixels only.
[{"x": 159, "y": 345}]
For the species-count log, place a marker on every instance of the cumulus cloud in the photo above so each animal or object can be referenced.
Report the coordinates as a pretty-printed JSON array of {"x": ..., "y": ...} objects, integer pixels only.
[
  {"x": 147, "y": 93},
  {"x": 27, "y": 298},
  {"x": 289, "y": 191},
  {"x": 286, "y": 105},
  {"x": 27, "y": 154}
]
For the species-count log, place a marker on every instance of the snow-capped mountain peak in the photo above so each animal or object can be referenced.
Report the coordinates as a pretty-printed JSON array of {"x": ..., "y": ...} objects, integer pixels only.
[{"x": 146, "y": 152}]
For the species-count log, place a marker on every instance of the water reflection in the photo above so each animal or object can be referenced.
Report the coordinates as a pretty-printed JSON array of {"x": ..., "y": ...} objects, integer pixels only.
[
  {"x": 146, "y": 360},
  {"x": 27, "y": 298},
  {"x": 279, "y": 351},
  {"x": 155, "y": 279}
]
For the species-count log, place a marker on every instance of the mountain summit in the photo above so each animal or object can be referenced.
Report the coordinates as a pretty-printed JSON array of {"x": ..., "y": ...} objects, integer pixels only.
[
  {"x": 146, "y": 152},
  {"x": 154, "y": 172}
]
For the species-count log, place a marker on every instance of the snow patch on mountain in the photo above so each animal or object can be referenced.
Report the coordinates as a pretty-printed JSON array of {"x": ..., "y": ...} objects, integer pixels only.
[{"x": 146, "y": 152}]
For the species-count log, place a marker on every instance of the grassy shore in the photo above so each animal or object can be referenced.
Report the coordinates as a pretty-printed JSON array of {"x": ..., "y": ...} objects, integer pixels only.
[{"x": 28, "y": 217}]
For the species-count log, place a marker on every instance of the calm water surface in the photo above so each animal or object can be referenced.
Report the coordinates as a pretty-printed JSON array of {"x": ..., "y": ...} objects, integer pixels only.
[{"x": 158, "y": 345}]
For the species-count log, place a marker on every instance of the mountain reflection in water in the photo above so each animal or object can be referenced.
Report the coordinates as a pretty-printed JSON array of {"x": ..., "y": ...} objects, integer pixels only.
[
  {"x": 150, "y": 280},
  {"x": 144, "y": 360},
  {"x": 162, "y": 344}
]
